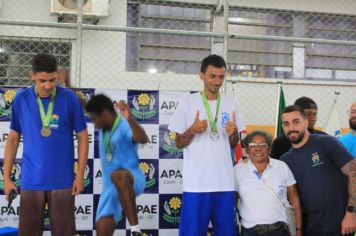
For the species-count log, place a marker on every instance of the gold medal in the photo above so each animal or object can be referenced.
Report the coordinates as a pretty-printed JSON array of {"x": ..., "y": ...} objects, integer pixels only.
[{"x": 46, "y": 131}]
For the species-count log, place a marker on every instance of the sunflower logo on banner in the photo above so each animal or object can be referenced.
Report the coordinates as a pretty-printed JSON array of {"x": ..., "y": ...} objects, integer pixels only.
[
  {"x": 149, "y": 169},
  {"x": 15, "y": 174},
  {"x": 170, "y": 143},
  {"x": 6, "y": 98},
  {"x": 167, "y": 144},
  {"x": 87, "y": 175},
  {"x": 172, "y": 210},
  {"x": 144, "y": 105}
]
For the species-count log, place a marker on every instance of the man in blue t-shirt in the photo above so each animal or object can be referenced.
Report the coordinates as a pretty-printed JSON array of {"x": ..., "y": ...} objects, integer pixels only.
[
  {"x": 326, "y": 177},
  {"x": 119, "y": 136},
  {"x": 349, "y": 139},
  {"x": 46, "y": 116},
  {"x": 281, "y": 143}
]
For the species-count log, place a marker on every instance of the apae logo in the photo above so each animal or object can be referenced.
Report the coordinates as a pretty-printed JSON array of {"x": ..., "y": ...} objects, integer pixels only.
[
  {"x": 15, "y": 175},
  {"x": 170, "y": 143},
  {"x": 86, "y": 179},
  {"x": 316, "y": 159},
  {"x": 143, "y": 106},
  {"x": 6, "y": 100},
  {"x": 169, "y": 107},
  {"x": 172, "y": 176},
  {"x": 149, "y": 171},
  {"x": 172, "y": 210}
]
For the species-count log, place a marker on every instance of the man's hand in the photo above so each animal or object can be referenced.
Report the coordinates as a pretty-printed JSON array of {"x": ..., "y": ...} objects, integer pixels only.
[
  {"x": 348, "y": 224},
  {"x": 78, "y": 186},
  {"x": 199, "y": 126},
  {"x": 231, "y": 125},
  {"x": 8, "y": 185},
  {"x": 124, "y": 109}
]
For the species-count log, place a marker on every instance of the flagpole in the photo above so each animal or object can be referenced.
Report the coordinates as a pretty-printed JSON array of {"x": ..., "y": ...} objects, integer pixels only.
[
  {"x": 337, "y": 93},
  {"x": 277, "y": 111}
]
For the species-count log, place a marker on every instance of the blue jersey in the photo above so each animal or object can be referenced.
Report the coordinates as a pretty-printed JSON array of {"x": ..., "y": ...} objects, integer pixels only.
[
  {"x": 123, "y": 151},
  {"x": 349, "y": 141},
  {"x": 123, "y": 156},
  {"x": 47, "y": 162},
  {"x": 322, "y": 187}
]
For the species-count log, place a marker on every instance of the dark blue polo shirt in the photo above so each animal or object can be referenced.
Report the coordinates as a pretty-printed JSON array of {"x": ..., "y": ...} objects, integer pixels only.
[{"x": 322, "y": 186}]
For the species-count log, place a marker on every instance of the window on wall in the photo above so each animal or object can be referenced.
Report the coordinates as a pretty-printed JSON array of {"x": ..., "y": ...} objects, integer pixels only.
[
  {"x": 165, "y": 53},
  {"x": 152, "y": 52},
  {"x": 16, "y": 55}
]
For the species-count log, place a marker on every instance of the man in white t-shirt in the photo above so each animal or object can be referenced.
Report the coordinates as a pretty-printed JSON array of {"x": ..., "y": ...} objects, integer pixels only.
[{"x": 206, "y": 126}]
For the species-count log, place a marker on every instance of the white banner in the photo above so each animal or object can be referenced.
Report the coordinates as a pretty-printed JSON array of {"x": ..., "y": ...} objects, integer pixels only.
[{"x": 150, "y": 150}]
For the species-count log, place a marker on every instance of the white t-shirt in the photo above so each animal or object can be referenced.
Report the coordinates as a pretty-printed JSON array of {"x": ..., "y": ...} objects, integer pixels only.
[
  {"x": 207, "y": 164},
  {"x": 258, "y": 205}
]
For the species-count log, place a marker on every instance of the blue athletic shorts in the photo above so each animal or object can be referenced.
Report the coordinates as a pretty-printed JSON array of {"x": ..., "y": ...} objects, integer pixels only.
[
  {"x": 109, "y": 204},
  {"x": 198, "y": 209}
]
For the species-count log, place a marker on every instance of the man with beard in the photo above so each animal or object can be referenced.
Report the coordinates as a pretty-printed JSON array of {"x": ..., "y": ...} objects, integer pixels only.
[
  {"x": 349, "y": 139},
  {"x": 326, "y": 177},
  {"x": 281, "y": 144}
]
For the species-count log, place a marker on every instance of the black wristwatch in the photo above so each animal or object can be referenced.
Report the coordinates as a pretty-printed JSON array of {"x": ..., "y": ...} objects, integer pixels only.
[{"x": 350, "y": 209}]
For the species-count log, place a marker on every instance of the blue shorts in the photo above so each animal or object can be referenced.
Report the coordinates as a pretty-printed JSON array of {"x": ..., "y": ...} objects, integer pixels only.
[
  {"x": 198, "y": 209},
  {"x": 109, "y": 204}
]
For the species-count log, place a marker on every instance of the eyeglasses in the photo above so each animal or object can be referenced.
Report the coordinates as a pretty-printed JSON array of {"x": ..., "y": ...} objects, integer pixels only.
[
  {"x": 256, "y": 145},
  {"x": 351, "y": 112}
]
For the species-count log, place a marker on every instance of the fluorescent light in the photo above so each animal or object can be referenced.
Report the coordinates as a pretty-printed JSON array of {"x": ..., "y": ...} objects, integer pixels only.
[{"x": 152, "y": 70}]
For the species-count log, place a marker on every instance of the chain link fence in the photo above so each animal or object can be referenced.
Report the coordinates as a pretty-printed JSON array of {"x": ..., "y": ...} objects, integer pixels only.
[{"x": 141, "y": 44}]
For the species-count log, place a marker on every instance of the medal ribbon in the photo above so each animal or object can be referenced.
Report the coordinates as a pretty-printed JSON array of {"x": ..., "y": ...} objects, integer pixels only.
[
  {"x": 46, "y": 118},
  {"x": 212, "y": 121},
  {"x": 108, "y": 134}
]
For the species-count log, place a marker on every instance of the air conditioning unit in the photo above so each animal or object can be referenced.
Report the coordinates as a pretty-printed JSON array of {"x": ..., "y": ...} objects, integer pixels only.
[{"x": 90, "y": 7}]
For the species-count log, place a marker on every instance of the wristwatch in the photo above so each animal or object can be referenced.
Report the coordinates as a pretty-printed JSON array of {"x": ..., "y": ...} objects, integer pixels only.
[{"x": 350, "y": 209}]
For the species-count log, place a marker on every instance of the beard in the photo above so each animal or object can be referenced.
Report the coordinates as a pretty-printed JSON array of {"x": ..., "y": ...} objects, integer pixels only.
[
  {"x": 298, "y": 139},
  {"x": 352, "y": 123}
]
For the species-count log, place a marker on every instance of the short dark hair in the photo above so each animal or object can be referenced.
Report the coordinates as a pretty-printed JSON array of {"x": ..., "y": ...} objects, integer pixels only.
[
  {"x": 44, "y": 63},
  {"x": 214, "y": 60},
  {"x": 306, "y": 103},
  {"x": 252, "y": 134},
  {"x": 293, "y": 108},
  {"x": 98, "y": 103}
]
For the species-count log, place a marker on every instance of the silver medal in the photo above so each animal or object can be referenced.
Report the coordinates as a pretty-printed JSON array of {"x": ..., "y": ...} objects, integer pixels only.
[
  {"x": 108, "y": 157},
  {"x": 214, "y": 136}
]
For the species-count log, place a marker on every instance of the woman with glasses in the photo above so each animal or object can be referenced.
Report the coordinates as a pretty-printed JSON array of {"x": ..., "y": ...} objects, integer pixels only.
[{"x": 263, "y": 185}]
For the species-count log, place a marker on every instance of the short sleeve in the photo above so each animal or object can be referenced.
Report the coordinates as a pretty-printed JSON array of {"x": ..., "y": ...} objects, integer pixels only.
[
  {"x": 15, "y": 119},
  {"x": 178, "y": 122},
  {"x": 237, "y": 171},
  {"x": 78, "y": 119},
  {"x": 336, "y": 151},
  {"x": 240, "y": 123},
  {"x": 290, "y": 177}
]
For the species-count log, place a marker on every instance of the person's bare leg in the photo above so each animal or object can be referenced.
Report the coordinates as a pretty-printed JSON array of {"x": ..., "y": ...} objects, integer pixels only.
[
  {"x": 61, "y": 212},
  {"x": 105, "y": 226},
  {"x": 124, "y": 181},
  {"x": 32, "y": 204}
]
